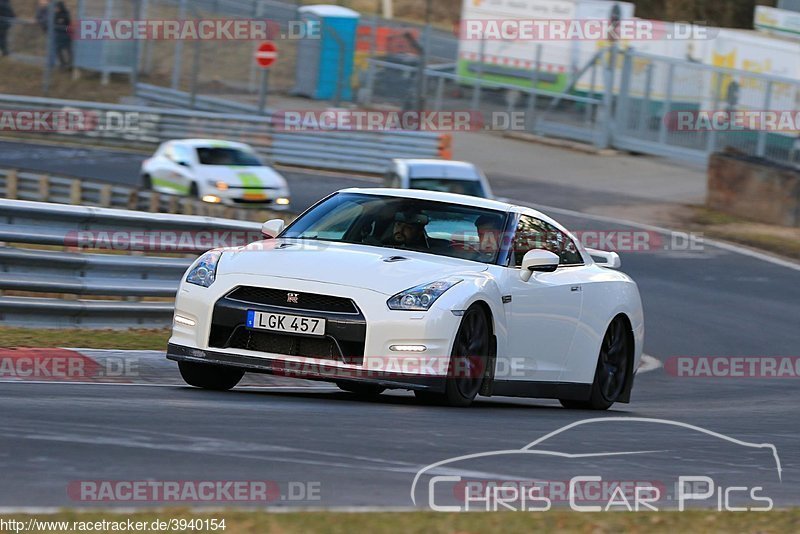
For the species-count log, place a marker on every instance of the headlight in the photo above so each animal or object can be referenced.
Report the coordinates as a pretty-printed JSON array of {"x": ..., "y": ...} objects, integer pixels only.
[
  {"x": 220, "y": 185},
  {"x": 204, "y": 270},
  {"x": 421, "y": 298}
]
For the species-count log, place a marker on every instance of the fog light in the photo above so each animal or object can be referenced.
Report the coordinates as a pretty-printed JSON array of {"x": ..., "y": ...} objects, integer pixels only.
[
  {"x": 408, "y": 348},
  {"x": 282, "y": 201},
  {"x": 222, "y": 186},
  {"x": 180, "y": 319},
  {"x": 212, "y": 199}
]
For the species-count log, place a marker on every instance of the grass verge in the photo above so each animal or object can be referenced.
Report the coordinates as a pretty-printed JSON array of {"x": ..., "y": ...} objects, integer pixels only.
[
  {"x": 141, "y": 339},
  {"x": 781, "y": 240},
  {"x": 237, "y": 522}
]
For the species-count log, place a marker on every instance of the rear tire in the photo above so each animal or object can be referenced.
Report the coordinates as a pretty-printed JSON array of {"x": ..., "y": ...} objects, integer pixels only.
[
  {"x": 611, "y": 373},
  {"x": 468, "y": 361},
  {"x": 360, "y": 389},
  {"x": 216, "y": 377}
]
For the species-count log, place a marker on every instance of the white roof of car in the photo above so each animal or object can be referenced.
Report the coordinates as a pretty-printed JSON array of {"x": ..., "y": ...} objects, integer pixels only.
[
  {"x": 438, "y": 168},
  {"x": 216, "y": 143}
]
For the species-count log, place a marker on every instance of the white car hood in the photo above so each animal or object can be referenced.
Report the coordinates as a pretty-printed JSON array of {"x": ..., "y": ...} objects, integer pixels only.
[
  {"x": 255, "y": 177},
  {"x": 342, "y": 264}
]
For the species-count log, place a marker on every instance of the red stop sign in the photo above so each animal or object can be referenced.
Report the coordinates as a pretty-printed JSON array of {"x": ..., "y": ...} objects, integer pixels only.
[{"x": 266, "y": 55}]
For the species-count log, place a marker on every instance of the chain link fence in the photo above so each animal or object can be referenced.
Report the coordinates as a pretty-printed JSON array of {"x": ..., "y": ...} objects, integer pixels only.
[{"x": 656, "y": 105}]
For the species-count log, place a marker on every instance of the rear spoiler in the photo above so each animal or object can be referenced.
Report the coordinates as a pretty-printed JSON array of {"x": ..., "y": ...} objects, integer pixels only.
[{"x": 607, "y": 259}]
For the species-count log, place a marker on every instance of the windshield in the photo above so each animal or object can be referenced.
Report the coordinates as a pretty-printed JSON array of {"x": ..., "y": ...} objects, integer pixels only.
[
  {"x": 403, "y": 223},
  {"x": 227, "y": 156},
  {"x": 462, "y": 187}
]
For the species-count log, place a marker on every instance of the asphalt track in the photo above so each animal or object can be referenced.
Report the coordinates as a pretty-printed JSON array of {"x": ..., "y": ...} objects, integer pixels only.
[{"x": 709, "y": 302}]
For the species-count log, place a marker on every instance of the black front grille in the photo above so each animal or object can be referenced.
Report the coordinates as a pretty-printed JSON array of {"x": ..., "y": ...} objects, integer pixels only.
[
  {"x": 323, "y": 348},
  {"x": 305, "y": 301}
]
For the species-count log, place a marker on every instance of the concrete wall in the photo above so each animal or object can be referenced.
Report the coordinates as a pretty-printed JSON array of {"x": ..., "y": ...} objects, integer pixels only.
[{"x": 754, "y": 189}]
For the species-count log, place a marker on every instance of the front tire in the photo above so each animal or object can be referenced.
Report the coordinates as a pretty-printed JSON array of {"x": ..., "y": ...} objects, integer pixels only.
[
  {"x": 360, "y": 389},
  {"x": 216, "y": 377},
  {"x": 611, "y": 374},
  {"x": 468, "y": 361},
  {"x": 147, "y": 182}
]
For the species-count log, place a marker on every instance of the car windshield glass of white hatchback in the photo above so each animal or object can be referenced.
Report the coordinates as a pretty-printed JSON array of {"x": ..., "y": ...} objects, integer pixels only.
[
  {"x": 227, "y": 156},
  {"x": 446, "y": 185},
  {"x": 404, "y": 223}
]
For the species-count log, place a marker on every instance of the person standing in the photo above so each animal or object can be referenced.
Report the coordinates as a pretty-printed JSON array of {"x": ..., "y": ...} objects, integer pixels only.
[
  {"x": 63, "y": 35},
  {"x": 6, "y": 19}
]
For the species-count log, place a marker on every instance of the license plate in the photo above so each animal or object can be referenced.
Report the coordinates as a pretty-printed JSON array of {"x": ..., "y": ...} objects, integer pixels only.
[
  {"x": 255, "y": 196},
  {"x": 279, "y": 322}
]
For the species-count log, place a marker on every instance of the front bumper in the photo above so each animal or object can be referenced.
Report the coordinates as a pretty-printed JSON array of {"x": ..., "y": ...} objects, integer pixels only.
[
  {"x": 366, "y": 339},
  {"x": 250, "y": 197},
  {"x": 318, "y": 371}
]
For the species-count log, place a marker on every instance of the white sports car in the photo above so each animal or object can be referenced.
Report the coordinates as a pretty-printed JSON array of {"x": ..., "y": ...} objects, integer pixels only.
[
  {"x": 218, "y": 172},
  {"x": 447, "y": 295}
]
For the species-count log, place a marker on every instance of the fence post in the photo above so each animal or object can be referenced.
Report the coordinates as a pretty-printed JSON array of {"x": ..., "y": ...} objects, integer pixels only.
[
  {"x": 622, "y": 110},
  {"x": 711, "y": 143},
  {"x": 105, "y": 196},
  {"x": 439, "y": 94},
  {"x": 476, "y": 93},
  {"x": 662, "y": 128},
  {"x": 761, "y": 145},
  {"x": 537, "y": 65},
  {"x": 648, "y": 93},
  {"x": 604, "y": 140}
]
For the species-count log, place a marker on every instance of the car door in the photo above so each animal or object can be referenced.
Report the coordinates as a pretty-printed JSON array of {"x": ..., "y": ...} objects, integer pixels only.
[
  {"x": 544, "y": 311},
  {"x": 172, "y": 170}
]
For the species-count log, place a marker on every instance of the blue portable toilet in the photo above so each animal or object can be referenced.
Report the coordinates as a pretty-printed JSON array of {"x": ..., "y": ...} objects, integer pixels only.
[{"x": 325, "y": 64}]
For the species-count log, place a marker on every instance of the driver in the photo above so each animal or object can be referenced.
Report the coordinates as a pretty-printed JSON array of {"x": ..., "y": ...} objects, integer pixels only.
[
  {"x": 490, "y": 230},
  {"x": 409, "y": 230}
]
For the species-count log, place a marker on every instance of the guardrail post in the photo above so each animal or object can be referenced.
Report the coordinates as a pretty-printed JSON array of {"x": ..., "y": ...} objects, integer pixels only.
[
  {"x": 12, "y": 184},
  {"x": 44, "y": 188},
  {"x": 75, "y": 193},
  {"x": 105, "y": 196},
  {"x": 155, "y": 202},
  {"x": 133, "y": 200},
  {"x": 173, "y": 204}
]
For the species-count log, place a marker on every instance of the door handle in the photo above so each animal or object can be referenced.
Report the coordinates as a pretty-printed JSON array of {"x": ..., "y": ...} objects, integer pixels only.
[{"x": 575, "y": 288}]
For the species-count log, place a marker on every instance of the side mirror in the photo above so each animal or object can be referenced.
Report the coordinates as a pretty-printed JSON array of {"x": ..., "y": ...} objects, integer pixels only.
[
  {"x": 538, "y": 260},
  {"x": 273, "y": 228},
  {"x": 183, "y": 163}
]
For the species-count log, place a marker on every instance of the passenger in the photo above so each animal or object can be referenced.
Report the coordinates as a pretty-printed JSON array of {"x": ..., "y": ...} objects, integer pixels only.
[{"x": 409, "y": 230}]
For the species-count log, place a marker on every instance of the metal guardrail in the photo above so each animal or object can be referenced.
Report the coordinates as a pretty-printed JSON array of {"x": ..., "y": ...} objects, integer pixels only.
[
  {"x": 354, "y": 151},
  {"x": 135, "y": 267},
  {"x": 41, "y": 187}
]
